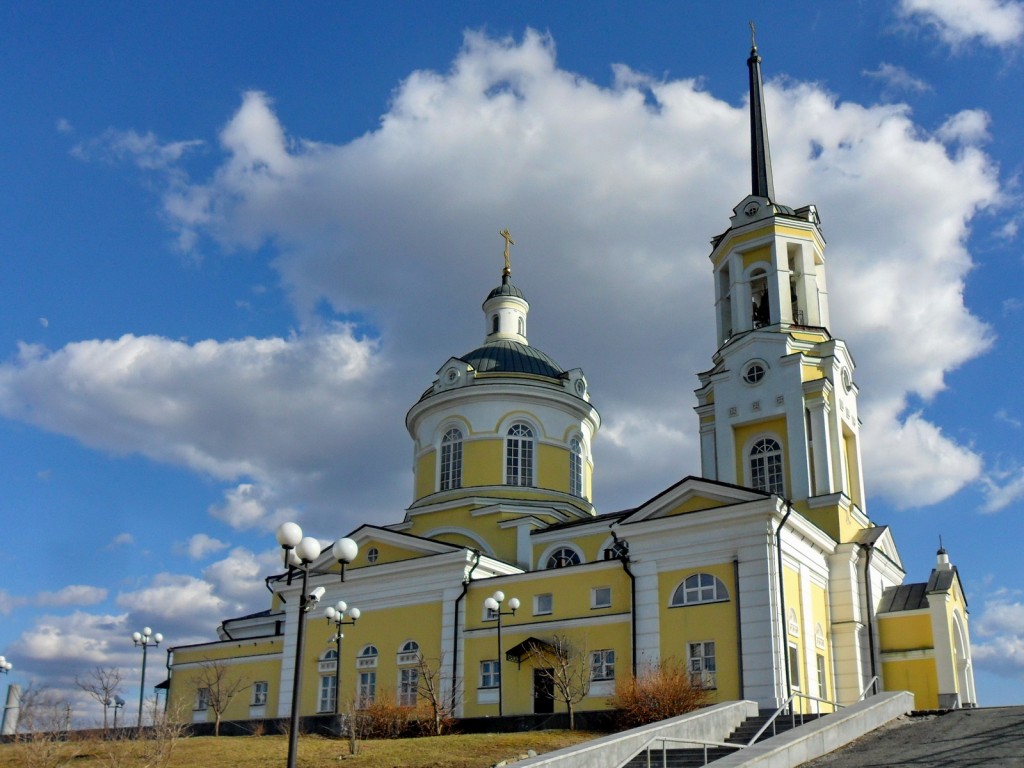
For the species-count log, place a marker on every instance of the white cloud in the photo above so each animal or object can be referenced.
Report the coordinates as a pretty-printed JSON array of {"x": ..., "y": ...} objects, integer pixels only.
[
  {"x": 9, "y": 602},
  {"x": 1007, "y": 418},
  {"x": 72, "y": 640},
  {"x": 275, "y": 410},
  {"x": 997, "y": 642},
  {"x": 998, "y": 23},
  {"x": 1001, "y": 488},
  {"x": 145, "y": 150},
  {"x": 175, "y": 598},
  {"x": 239, "y": 577},
  {"x": 250, "y": 506},
  {"x": 931, "y": 466},
  {"x": 63, "y": 125},
  {"x": 896, "y": 79},
  {"x": 73, "y": 594},
  {"x": 969, "y": 126},
  {"x": 611, "y": 194},
  {"x": 201, "y": 545},
  {"x": 124, "y": 539}
]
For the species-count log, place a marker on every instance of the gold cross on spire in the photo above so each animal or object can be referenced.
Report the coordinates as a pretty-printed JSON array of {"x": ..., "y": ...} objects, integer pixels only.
[{"x": 508, "y": 259}]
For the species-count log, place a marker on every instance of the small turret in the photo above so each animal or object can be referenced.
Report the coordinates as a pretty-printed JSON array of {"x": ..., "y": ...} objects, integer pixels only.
[{"x": 505, "y": 308}]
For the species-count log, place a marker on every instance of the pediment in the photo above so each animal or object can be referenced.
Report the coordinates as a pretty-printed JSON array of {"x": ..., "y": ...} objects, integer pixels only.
[
  {"x": 693, "y": 494},
  {"x": 392, "y": 546}
]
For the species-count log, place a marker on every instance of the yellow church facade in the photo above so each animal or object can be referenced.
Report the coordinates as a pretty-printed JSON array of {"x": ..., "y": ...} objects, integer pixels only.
[{"x": 764, "y": 575}]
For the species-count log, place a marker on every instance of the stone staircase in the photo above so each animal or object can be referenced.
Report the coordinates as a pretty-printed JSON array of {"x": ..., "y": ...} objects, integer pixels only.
[{"x": 693, "y": 757}]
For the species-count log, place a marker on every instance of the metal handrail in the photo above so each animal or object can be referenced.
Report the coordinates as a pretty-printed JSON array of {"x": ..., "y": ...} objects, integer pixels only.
[
  {"x": 788, "y": 704},
  {"x": 666, "y": 739},
  {"x": 872, "y": 683}
]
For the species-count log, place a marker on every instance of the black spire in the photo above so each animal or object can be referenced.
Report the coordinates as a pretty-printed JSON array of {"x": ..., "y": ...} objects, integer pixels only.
[{"x": 760, "y": 155}]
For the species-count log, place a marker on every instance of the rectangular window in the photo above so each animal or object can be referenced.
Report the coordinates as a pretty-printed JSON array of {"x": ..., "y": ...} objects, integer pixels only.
[
  {"x": 202, "y": 698},
  {"x": 701, "y": 661},
  {"x": 408, "y": 682},
  {"x": 822, "y": 678},
  {"x": 794, "y": 667},
  {"x": 259, "y": 693},
  {"x": 367, "y": 688},
  {"x": 602, "y": 665},
  {"x": 328, "y": 694},
  {"x": 490, "y": 674},
  {"x": 542, "y": 604},
  {"x": 601, "y": 597}
]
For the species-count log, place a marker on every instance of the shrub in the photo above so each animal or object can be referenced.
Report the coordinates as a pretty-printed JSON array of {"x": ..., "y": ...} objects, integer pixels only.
[
  {"x": 658, "y": 692},
  {"x": 384, "y": 718}
]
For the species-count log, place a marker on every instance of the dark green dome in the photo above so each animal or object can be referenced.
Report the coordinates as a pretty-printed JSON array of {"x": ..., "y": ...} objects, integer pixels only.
[
  {"x": 505, "y": 289},
  {"x": 512, "y": 357}
]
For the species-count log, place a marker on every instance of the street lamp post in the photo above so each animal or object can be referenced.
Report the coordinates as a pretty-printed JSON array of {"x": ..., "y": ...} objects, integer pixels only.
[
  {"x": 299, "y": 554},
  {"x": 493, "y": 604},
  {"x": 145, "y": 638},
  {"x": 118, "y": 704},
  {"x": 5, "y": 666},
  {"x": 336, "y": 615}
]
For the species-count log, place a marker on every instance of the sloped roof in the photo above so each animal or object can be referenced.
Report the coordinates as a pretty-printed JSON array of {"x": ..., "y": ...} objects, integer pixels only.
[{"x": 906, "y": 597}]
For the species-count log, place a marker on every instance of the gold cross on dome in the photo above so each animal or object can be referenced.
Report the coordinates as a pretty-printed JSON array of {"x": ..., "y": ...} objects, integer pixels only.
[{"x": 508, "y": 243}]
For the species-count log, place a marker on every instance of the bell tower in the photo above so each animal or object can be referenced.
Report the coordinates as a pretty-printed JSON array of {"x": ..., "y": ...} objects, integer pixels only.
[{"x": 778, "y": 409}]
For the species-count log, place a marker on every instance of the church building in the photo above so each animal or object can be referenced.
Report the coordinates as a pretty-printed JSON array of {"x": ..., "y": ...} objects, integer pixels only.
[{"x": 764, "y": 575}]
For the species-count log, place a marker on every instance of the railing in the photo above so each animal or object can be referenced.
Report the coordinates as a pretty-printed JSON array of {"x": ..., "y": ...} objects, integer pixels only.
[
  {"x": 788, "y": 705},
  {"x": 665, "y": 740},
  {"x": 871, "y": 686}
]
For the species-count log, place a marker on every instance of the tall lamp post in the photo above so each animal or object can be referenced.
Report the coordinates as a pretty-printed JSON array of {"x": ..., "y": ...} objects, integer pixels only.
[
  {"x": 336, "y": 615},
  {"x": 299, "y": 554},
  {"x": 5, "y": 666},
  {"x": 145, "y": 638},
  {"x": 493, "y": 604}
]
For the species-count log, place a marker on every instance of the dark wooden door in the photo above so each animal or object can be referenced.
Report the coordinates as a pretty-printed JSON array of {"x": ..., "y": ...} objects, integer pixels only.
[{"x": 543, "y": 692}]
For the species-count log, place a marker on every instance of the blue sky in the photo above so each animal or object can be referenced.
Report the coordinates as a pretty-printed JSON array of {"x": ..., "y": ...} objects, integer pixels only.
[{"x": 240, "y": 238}]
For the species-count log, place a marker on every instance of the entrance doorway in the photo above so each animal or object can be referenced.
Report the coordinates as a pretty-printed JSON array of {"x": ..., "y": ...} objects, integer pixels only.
[{"x": 543, "y": 692}]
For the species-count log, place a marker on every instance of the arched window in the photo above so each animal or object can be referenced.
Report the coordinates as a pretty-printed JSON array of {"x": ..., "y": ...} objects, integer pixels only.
[
  {"x": 451, "y": 459},
  {"x": 367, "y": 657},
  {"x": 562, "y": 558},
  {"x": 409, "y": 653},
  {"x": 522, "y": 327},
  {"x": 700, "y": 588},
  {"x": 766, "y": 466},
  {"x": 760, "y": 308},
  {"x": 494, "y": 323},
  {"x": 575, "y": 467},
  {"x": 519, "y": 455}
]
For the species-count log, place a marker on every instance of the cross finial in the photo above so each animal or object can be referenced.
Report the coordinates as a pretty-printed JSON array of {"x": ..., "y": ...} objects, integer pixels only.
[
  {"x": 509, "y": 242},
  {"x": 753, "y": 36}
]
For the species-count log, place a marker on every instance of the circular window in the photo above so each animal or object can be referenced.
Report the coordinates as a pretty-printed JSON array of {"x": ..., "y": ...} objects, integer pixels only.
[
  {"x": 754, "y": 373},
  {"x": 372, "y": 554}
]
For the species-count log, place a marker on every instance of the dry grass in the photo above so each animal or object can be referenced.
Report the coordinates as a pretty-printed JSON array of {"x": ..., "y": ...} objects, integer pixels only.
[{"x": 473, "y": 751}]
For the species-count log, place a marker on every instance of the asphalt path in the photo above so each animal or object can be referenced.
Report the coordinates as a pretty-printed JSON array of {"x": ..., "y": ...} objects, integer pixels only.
[{"x": 963, "y": 738}]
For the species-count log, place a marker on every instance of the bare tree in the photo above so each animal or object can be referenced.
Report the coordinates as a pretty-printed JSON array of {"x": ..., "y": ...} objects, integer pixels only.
[
  {"x": 566, "y": 664},
  {"x": 102, "y": 684},
  {"x": 222, "y": 687},
  {"x": 439, "y": 703},
  {"x": 43, "y": 724}
]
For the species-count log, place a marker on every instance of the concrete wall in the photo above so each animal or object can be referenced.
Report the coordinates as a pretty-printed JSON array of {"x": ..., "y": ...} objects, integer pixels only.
[
  {"x": 710, "y": 724},
  {"x": 822, "y": 736}
]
